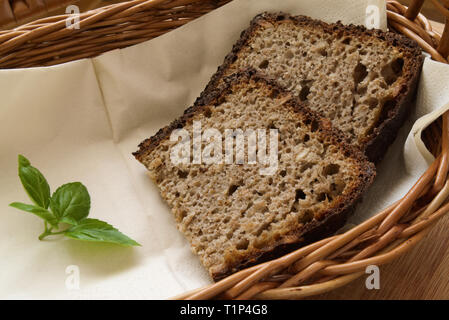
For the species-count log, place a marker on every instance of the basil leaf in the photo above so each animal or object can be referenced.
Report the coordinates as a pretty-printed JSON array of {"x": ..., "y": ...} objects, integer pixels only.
[
  {"x": 38, "y": 211},
  {"x": 99, "y": 231},
  {"x": 70, "y": 203},
  {"x": 34, "y": 183}
]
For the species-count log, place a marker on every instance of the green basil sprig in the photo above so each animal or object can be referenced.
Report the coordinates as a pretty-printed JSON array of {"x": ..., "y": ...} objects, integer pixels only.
[{"x": 69, "y": 205}]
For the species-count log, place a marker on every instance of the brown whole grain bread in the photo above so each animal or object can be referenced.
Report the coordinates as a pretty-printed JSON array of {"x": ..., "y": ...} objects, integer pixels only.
[
  {"x": 234, "y": 216},
  {"x": 363, "y": 80}
]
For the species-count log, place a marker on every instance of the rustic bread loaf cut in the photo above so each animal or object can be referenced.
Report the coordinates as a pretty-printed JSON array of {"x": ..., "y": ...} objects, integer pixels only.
[
  {"x": 234, "y": 215},
  {"x": 362, "y": 80}
]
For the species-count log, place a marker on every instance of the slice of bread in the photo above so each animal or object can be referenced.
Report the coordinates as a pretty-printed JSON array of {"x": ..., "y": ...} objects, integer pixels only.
[
  {"x": 234, "y": 216},
  {"x": 363, "y": 80}
]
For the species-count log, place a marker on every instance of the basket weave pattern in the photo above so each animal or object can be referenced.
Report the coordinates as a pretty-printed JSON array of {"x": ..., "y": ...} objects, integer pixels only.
[
  {"x": 318, "y": 267},
  {"x": 48, "y": 41},
  {"x": 13, "y": 12}
]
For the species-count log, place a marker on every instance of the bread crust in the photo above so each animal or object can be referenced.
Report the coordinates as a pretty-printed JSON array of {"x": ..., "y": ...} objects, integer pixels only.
[
  {"x": 331, "y": 219},
  {"x": 385, "y": 129}
]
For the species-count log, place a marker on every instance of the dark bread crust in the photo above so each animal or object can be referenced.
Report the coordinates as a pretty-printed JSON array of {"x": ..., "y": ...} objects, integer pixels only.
[
  {"x": 330, "y": 220},
  {"x": 385, "y": 131},
  {"x": 390, "y": 120}
]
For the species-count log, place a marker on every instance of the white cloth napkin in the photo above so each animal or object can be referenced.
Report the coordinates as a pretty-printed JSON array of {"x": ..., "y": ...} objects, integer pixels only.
[{"x": 80, "y": 121}]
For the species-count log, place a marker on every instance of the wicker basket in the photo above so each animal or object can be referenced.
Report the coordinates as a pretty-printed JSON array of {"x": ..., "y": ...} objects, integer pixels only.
[{"x": 316, "y": 268}]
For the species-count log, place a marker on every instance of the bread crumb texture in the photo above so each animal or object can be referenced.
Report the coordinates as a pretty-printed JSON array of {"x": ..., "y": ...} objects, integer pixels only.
[
  {"x": 230, "y": 213},
  {"x": 350, "y": 76}
]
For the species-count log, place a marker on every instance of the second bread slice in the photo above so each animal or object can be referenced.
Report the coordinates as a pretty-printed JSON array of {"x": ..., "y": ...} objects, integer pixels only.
[
  {"x": 235, "y": 214},
  {"x": 362, "y": 80}
]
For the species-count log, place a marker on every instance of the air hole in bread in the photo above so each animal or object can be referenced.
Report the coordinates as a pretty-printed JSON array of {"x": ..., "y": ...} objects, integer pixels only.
[
  {"x": 182, "y": 174},
  {"x": 387, "y": 107},
  {"x": 331, "y": 169},
  {"x": 322, "y": 196},
  {"x": 280, "y": 17},
  {"x": 360, "y": 73},
  {"x": 323, "y": 52},
  {"x": 262, "y": 228},
  {"x": 314, "y": 126},
  {"x": 392, "y": 71},
  {"x": 306, "y": 138},
  {"x": 361, "y": 90},
  {"x": 305, "y": 90},
  {"x": 182, "y": 214},
  {"x": 232, "y": 189},
  {"x": 397, "y": 65},
  {"x": 272, "y": 125},
  {"x": 242, "y": 244},
  {"x": 274, "y": 94},
  {"x": 300, "y": 195},
  {"x": 264, "y": 64},
  {"x": 306, "y": 166},
  {"x": 338, "y": 187},
  {"x": 373, "y": 103}
]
